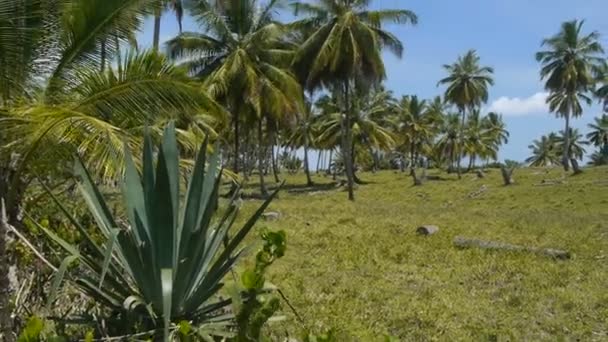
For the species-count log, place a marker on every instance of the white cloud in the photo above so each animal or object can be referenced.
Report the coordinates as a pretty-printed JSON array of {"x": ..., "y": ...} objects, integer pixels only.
[{"x": 516, "y": 106}]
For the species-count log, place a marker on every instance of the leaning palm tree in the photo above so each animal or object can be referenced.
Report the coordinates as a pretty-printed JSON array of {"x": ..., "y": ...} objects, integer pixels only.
[
  {"x": 568, "y": 64},
  {"x": 243, "y": 59},
  {"x": 573, "y": 142},
  {"x": 599, "y": 133},
  {"x": 345, "y": 45},
  {"x": 544, "y": 151},
  {"x": 467, "y": 88}
]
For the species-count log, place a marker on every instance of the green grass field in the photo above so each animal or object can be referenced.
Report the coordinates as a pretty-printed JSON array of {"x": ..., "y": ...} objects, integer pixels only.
[{"x": 360, "y": 267}]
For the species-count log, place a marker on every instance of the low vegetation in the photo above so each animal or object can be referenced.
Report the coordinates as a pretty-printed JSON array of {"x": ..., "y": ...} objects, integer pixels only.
[{"x": 362, "y": 269}]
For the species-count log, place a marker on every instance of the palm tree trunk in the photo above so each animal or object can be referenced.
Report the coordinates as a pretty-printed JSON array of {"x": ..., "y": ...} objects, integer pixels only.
[
  {"x": 461, "y": 143},
  {"x": 331, "y": 156},
  {"x": 347, "y": 143},
  {"x": 374, "y": 158},
  {"x": 275, "y": 166},
  {"x": 412, "y": 160},
  {"x": 156, "y": 37},
  {"x": 306, "y": 168},
  {"x": 6, "y": 323},
  {"x": 235, "y": 122},
  {"x": 261, "y": 159},
  {"x": 566, "y": 152},
  {"x": 319, "y": 156},
  {"x": 10, "y": 208},
  {"x": 471, "y": 162}
]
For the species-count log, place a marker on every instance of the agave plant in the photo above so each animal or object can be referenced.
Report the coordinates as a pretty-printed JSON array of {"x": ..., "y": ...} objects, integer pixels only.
[{"x": 167, "y": 260}]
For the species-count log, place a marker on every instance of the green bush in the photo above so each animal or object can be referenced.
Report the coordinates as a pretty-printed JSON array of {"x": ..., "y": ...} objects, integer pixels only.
[{"x": 165, "y": 262}]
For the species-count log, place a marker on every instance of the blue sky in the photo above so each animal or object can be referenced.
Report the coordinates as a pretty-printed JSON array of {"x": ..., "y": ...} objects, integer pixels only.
[{"x": 506, "y": 34}]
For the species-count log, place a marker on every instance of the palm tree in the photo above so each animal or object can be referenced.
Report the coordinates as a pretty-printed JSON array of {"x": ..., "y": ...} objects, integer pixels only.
[
  {"x": 599, "y": 133},
  {"x": 160, "y": 5},
  {"x": 467, "y": 88},
  {"x": 448, "y": 140},
  {"x": 369, "y": 122},
  {"x": 573, "y": 143},
  {"x": 243, "y": 59},
  {"x": 598, "y": 159},
  {"x": 477, "y": 141},
  {"x": 544, "y": 151},
  {"x": 345, "y": 46},
  {"x": 568, "y": 64},
  {"x": 304, "y": 135},
  {"x": 494, "y": 134},
  {"x": 417, "y": 123}
]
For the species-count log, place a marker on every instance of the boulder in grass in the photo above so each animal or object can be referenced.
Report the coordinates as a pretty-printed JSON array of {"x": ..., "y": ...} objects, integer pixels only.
[
  {"x": 271, "y": 216},
  {"x": 427, "y": 230}
]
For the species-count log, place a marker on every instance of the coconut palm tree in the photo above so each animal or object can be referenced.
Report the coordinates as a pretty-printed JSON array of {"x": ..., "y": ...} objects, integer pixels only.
[
  {"x": 448, "y": 141},
  {"x": 494, "y": 134},
  {"x": 598, "y": 159},
  {"x": 243, "y": 59},
  {"x": 568, "y": 63},
  {"x": 304, "y": 135},
  {"x": 467, "y": 88},
  {"x": 599, "y": 133},
  {"x": 345, "y": 45},
  {"x": 160, "y": 5},
  {"x": 417, "y": 122},
  {"x": 544, "y": 151},
  {"x": 369, "y": 122},
  {"x": 575, "y": 145}
]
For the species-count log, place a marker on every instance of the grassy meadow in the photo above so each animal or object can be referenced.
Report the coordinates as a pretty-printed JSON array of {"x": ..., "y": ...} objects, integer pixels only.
[{"x": 361, "y": 269}]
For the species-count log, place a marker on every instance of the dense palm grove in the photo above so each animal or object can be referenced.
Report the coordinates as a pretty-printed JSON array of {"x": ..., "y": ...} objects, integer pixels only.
[{"x": 262, "y": 94}]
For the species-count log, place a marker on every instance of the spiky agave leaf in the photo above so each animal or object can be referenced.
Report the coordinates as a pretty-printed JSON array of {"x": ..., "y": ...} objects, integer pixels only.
[{"x": 172, "y": 254}]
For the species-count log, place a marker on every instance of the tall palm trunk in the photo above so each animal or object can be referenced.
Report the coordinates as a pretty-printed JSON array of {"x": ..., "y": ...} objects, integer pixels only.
[
  {"x": 6, "y": 325},
  {"x": 331, "y": 156},
  {"x": 261, "y": 159},
  {"x": 471, "y": 162},
  {"x": 374, "y": 158},
  {"x": 566, "y": 152},
  {"x": 306, "y": 167},
  {"x": 347, "y": 143},
  {"x": 319, "y": 156},
  {"x": 156, "y": 37},
  {"x": 412, "y": 159},
  {"x": 235, "y": 122},
  {"x": 461, "y": 143},
  {"x": 11, "y": 208},
  {"x": 273, "y": 160}
]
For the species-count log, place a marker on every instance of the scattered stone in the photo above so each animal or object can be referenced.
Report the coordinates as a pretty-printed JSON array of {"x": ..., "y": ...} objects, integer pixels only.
[
  {"x": 478, "y": 192},
  {"x": 548, "y": 182},
  {"x": 271, "y": 215},
  {"x": 462, "y": 242},
  {"x": 480, "y": 174},
  {"x": 427, "y": 230}
]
